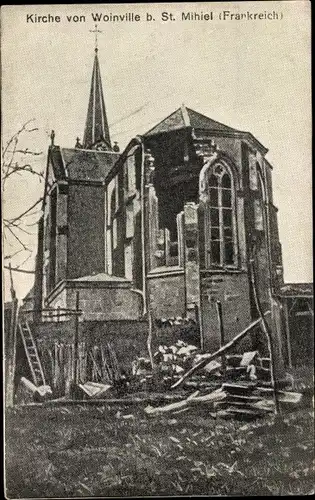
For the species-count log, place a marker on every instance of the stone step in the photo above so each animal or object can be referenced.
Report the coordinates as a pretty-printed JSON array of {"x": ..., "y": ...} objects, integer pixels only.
[
  {"x": 241, "y": 414},
  {"x": 242, "y": 389},
  {"x": 234, "y": 405},
  {"x": 243, "y": 399}
]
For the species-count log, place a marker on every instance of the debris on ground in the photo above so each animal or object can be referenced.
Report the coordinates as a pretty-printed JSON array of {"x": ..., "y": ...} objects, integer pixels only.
[
  {"x": 33, "y": 393},
  {"x": 170, "y": 362},
  {"x": 213, "y": 367},
  {"x": 248, "y": 358},
  {"x": 94, "y": 389},
  {"x": 240, "y": 389},
  {"x": 247, "y": 401}
]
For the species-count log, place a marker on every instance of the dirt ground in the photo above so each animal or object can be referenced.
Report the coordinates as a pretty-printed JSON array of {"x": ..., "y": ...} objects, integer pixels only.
[{"x": 119, "y": 451}]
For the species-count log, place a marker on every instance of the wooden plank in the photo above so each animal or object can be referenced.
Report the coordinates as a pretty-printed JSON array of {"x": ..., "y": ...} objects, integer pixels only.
[
  {"x": 219, "y": 352},
  {"x": 243, "y": 389},
  {"x": 75, "y": 343},
  {"x": 272, "y": 348},
  {"x": 221, "y": 328}
]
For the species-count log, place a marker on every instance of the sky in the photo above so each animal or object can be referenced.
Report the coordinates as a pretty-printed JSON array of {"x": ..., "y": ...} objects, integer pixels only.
[{"x": 252, "y": 75}]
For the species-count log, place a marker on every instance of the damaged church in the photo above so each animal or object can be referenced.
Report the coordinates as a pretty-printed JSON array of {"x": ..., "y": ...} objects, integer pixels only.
[{"x": 166, "y": 227}]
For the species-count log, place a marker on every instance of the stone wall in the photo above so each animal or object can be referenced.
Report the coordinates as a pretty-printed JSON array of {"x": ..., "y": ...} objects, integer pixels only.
[
  {"x": 128, "y": 338},
  {"x": 167, "y": 294},
  {"x": 107, "y": 304},
  {"x": 100, "y": 301},
  {"x": 86, "y": 226},
  {"x": 191, "y": 246},
  {"x": 233, "y": 292}
]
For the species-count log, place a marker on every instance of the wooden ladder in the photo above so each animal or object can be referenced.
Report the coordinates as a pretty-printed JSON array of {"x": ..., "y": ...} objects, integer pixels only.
[{"x": 32, "y": 354}]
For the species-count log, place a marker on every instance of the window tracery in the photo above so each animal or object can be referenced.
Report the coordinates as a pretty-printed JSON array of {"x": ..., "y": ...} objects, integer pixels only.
[{"x": 220, "y": 217}]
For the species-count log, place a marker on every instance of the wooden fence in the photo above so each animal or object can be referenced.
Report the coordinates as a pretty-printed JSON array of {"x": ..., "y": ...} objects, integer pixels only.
[{"x": 94, "y": 364}]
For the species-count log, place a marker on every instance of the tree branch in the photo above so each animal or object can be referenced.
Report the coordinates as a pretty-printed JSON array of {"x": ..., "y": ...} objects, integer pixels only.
[
  {"x": 7, "y": 257},
  {"x": 27, "y": 211},
  {"x": 27, "y": 152},
  {"x": 18, "y": 165},
  {"x": 17, "y": 238},
  {"x": 17, "y": 134},
  {"x": 16, "y": 269},
  {"x": 17, "y": 226},
  {"x": 10, "y": 170}
]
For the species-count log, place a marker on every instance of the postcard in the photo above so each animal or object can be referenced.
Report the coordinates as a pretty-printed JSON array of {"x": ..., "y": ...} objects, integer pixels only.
[{"x": 157, "y": 249}]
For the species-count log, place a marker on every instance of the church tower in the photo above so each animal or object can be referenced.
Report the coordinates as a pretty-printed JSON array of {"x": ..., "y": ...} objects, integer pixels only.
[
  {"x": 71, "y": 241},
  {"x": 96, "y": 132}
]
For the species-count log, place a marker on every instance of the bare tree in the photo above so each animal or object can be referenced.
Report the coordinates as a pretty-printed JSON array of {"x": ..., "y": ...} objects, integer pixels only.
[{"x": 19, "y": 229}]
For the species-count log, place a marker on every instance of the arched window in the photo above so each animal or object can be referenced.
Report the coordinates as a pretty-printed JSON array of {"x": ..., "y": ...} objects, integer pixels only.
[{"x": 220, "y": 223}]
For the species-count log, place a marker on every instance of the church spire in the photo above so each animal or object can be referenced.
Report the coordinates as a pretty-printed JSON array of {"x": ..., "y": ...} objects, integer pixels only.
[{"x": 96, "y": 133}]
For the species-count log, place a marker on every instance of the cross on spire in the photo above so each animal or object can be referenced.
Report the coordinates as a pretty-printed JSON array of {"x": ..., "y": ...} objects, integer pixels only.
[{"x": 96, "y": 31}]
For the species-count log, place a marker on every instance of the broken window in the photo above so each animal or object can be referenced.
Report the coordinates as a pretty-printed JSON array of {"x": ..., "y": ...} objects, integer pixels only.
[{"x": 219, "y": 223}]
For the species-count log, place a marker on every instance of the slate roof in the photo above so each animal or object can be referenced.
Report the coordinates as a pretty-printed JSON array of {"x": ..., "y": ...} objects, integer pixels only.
[
  {"x": 102, "y": 277},
  {"x": 81, "y": 164},
  {"x": 96, "y": 126},
  {"x": 185, "y": 117},
  {"x": 88, "y": 164}
]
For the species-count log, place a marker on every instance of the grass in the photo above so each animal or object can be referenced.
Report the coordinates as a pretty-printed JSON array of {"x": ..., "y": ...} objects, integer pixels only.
[{"x": 117, "y": 451}]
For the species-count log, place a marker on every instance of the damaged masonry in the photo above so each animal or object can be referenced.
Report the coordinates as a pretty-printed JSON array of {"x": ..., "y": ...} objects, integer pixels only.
[{"x": 158, "y": 268}]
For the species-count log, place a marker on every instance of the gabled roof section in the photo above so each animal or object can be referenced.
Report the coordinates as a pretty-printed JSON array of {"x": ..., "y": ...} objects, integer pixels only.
[
  {"x": 185, "y": 117},
  {"x": 102, "y": 277},
  {"x": 81, "y": 164},
  {"x": 96, "y": 127},
  {"x": 175, "y": 121},
  {"x": 197, "y": 120}
]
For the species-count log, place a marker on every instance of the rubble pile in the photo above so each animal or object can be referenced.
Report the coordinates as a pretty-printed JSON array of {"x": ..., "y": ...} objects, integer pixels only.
[
  {"x": 170, "y": 362},
  {"x": 229, "y": 386},
  {"x": 236, "y": 385}
]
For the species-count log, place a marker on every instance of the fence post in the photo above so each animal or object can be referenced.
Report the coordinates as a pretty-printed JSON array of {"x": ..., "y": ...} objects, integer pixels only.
[
  {"x": 75, "y": 348},
  {"x": 221, "y": 328},
  {"x": 10, "y": 347}
]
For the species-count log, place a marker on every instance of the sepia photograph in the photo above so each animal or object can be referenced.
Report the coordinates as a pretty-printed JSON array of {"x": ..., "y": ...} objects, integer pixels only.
[{"x": 158, "y": 313}]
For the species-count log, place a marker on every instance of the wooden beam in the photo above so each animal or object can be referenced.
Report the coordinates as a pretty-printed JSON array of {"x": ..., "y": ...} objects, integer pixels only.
[
  {"x": 270, "y": 340},
  {"x": 287, "y": 330},
  {"x": 219, "y": 352},
  {"x": 76, "y": 349},
  {"x": 149, "y": 339},
  {"x": 221, "y": 328}
]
